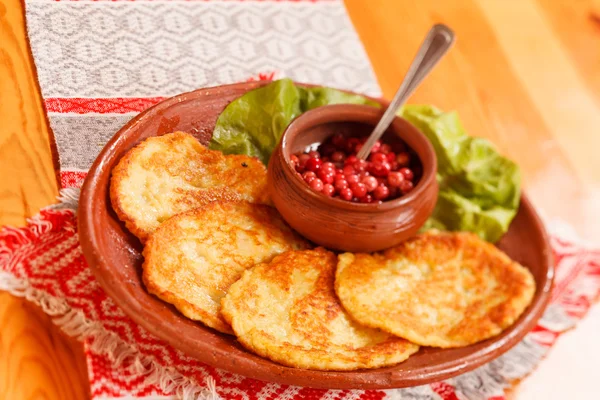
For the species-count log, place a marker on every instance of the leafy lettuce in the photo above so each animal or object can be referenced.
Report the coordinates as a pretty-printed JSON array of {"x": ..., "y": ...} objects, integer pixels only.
[
  {"x": 479, "y": 188},
  {"x": 254, "y": 123}
]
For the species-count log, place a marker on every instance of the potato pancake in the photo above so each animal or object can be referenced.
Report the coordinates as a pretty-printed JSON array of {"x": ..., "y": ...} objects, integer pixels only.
[
  {"x": 166, "y": 175},
  {"x": 191, "y": 259},
  {"x": 437, "y": 289},
  {"x": 287, "y": 311}
]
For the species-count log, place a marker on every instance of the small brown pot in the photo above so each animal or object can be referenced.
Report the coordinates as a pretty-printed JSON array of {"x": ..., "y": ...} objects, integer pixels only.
[{"x": 339, "y": 224}]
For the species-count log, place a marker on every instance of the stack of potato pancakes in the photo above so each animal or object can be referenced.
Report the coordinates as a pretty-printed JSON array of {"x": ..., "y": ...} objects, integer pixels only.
[{"x": 221, "y": 254}]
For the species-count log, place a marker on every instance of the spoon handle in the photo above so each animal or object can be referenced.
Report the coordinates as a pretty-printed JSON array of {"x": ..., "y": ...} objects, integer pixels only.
[{"x": 436, "y": 44}]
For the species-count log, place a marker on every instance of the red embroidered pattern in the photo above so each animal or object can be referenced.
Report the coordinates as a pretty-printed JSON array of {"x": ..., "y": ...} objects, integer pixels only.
[
  {"x": 47, "y": 255},
  {"x": 119, "y": 105},
  {"x": 72, "y": 178}
]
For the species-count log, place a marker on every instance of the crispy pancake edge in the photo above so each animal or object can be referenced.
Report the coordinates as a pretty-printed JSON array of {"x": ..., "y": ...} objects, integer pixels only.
[
  {"x": 188, "y": 309},
  {"x": 294, "y": 356},
  {"x": 509, "y": 313},
  {"x": 120, "y": 173}
]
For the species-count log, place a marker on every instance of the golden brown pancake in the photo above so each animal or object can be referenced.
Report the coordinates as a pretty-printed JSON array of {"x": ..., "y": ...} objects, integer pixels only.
[
  {"x": 436, "y": 289},
  {"x": 166, "y": 175},
  {"x": 193, "y": 258},
  {"x": 287, "y": 311}
]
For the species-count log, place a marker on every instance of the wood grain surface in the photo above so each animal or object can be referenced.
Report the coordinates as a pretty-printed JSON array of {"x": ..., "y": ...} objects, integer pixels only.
[
  {"x": 37, "y": 361},
  {"x": 525, "y": 74}
]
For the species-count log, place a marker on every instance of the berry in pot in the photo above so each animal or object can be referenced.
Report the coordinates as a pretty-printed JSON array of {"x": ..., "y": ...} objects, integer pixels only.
[
  {"x": 370, "y": 183},
  {"x": 346, "y": 194},
  {"x": 316, "y": 184},
  {"x": 308, "y": 176},
  {"x": 358, "y": 189},
  {"x": 334, "y": 170},
  {"x": 328, "y": 190},
  {"x": 381, "y": 192},
  {"x": 395, "y": 178},
  {"x": 313, "y": 164},
  {"x": 407, "y": 173}
]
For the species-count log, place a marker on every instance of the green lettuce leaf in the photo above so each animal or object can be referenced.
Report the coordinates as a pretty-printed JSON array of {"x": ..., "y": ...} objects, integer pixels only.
[
  {"x": 254, "y": 123},
  {"x": 479, "y": 188}
]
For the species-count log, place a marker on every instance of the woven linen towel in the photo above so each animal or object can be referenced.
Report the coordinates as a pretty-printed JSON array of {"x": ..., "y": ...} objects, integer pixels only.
[{"x": 99, "y": 64}]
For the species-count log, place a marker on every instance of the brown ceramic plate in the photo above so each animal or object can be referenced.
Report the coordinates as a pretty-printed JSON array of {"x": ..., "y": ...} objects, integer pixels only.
[{"x": 115, "y": 258}]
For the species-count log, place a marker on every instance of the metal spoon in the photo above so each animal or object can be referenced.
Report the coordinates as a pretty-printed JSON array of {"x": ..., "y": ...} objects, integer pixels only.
[{"x": 436, "y": 44}]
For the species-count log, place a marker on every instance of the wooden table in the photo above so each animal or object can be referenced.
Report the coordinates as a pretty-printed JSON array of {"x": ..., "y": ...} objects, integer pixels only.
[{"x": 524, "y": 73}]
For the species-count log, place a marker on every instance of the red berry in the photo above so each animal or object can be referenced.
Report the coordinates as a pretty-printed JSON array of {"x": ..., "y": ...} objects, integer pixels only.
[
  {"x": 380, "y": 169},
  {"x": 351, "y": 144},
  {"x": 395, "y": 178},
  {"x": 325, "y": 159},
  {"x": 338, "y": 140},
  {"x": 358, "y": 147},
  {"x": 352, "y": 179},
  {"x": 308, "y": 176},
  {"x": 360, "y": 165},
  {"x": 394, "y": 192},
  {"x": 370, "y": 183},
  {"x": 407, "y": 172},
  {"x": 316, "y": 185},
  {"x": 294, "y": 161},
  {"x": 403, "y": 159},
  {"x": 338, "y": 156},
  {"x": 381, "y": 192},
  {"x": 406, "y": 186},
  {"x": 302, "y": 159},
  {"x": 314, "y": 154},
  {"x": 358, "y": 189},
  {"x": 340, "y": 184},
  {"x": 376, "y": 147},
  {"x": 327, "y": 176},
  {"x": 346, "y": 194},
  {"x": 391, "y": 157},
  {"x": 328, "y": 165},
  {"x": 328, "y": 190},
  {"x": 394, "y": 165},
  {"x": 348, "y": 170},
  {"x": 351, "y": 160},
  {"x": 313, "y": 164},
  {"x": 363, "y": 174},
  {"x": 385, "y": 148},
  {"x": 366, "y": 199},
  {"x": 378, "y": 158},
  {"x": 338, "y": 176}
]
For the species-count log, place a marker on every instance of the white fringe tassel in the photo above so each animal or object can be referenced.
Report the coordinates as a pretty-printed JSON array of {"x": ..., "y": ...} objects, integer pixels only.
[
  {"x": 74, "y": 323},
  {"x": 68, "y": 199}
]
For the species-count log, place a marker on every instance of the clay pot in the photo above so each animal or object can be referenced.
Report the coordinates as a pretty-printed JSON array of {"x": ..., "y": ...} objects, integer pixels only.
[{"x": 340, "y": 224}]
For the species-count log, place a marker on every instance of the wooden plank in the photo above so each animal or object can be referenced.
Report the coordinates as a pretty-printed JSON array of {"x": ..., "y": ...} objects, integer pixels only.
[
  {"x": 546, "y": 70},
  {"x": 29, "y": 181},
  {"x": 36, "y": 360},
  {"x": 576, "y": 24}
]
